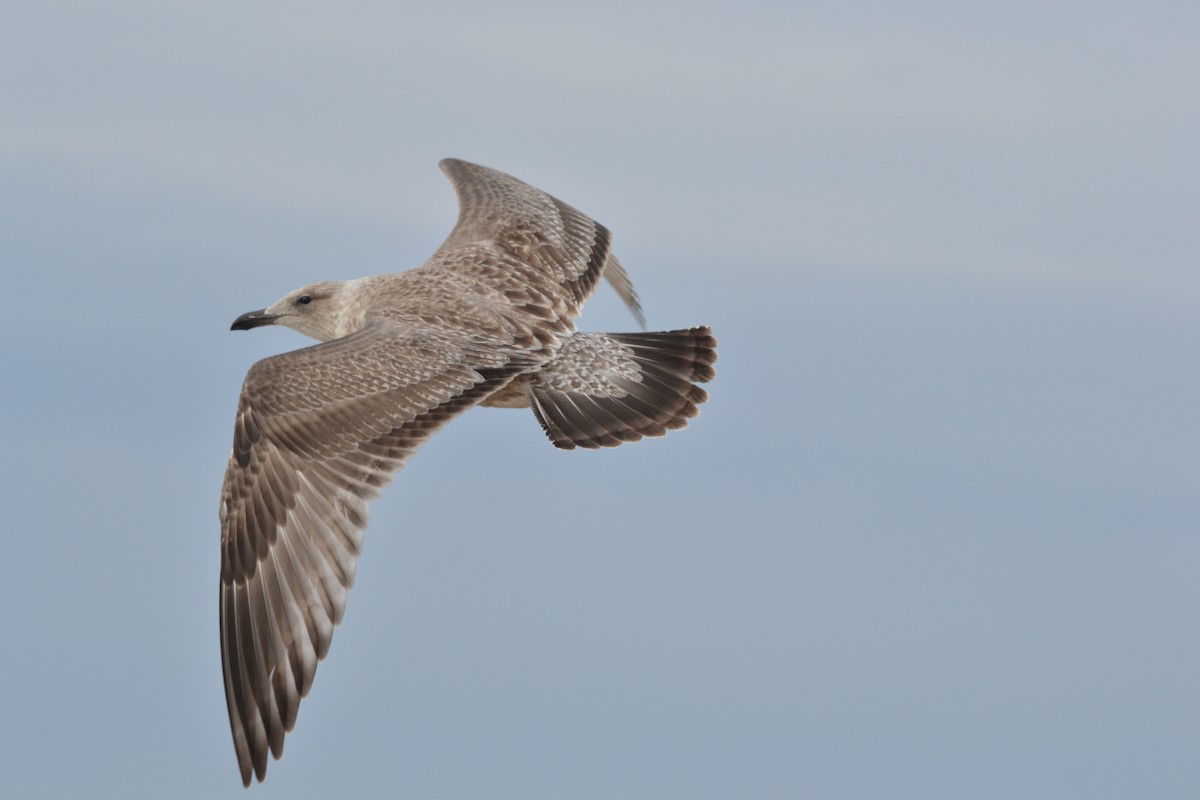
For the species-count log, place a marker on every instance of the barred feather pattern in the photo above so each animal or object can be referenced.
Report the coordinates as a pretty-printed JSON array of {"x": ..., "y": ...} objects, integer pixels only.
[
  {"x": 320, "y": 431},
  {"x": 605, "y": 389}
]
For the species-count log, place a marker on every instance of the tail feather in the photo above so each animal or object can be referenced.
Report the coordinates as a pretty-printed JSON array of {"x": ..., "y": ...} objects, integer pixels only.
[{"x": 605, "y": 389}]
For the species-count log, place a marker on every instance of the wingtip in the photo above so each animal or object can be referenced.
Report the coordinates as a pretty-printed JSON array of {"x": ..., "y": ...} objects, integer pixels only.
[{"x": 451, "y": 165}]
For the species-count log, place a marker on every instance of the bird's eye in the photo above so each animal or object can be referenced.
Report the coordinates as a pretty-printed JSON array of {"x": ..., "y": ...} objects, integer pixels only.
[{"x": 304, "y": 299}]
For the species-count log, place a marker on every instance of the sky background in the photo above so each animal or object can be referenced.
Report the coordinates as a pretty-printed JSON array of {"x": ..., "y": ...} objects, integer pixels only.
[{"x": 936, "y": 534}]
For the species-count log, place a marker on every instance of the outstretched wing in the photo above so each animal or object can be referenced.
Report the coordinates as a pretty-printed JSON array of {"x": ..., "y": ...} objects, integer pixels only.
[
  {"x": 319, "y": 432},
  {"x": 499, "y": 215}
]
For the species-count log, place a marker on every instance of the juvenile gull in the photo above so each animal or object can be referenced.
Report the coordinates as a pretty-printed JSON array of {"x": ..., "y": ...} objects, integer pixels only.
[{"x": 487, "y": 320}]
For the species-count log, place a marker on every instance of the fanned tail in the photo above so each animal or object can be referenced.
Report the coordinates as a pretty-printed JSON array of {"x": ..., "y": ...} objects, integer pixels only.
[{"x": 605, "y": 389}]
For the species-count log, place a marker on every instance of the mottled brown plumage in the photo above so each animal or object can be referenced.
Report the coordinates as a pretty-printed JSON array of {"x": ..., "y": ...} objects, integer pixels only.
[{"x": 488, "y": 319}]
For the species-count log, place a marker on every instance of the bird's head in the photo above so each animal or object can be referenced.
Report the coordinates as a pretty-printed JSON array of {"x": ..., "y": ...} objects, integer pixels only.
[{"x": 325, "y": 310}]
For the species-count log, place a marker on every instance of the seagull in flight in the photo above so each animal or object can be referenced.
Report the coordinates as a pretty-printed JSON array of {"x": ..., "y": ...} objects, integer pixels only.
[{"x": 487, "y": 320}]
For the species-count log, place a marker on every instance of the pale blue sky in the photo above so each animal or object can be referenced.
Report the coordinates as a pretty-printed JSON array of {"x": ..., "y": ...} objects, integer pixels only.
[{"x": 936, "y": 534}]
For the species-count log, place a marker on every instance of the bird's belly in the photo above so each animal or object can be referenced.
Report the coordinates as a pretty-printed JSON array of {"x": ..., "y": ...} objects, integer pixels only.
[{"x": 511, "y": 396}]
